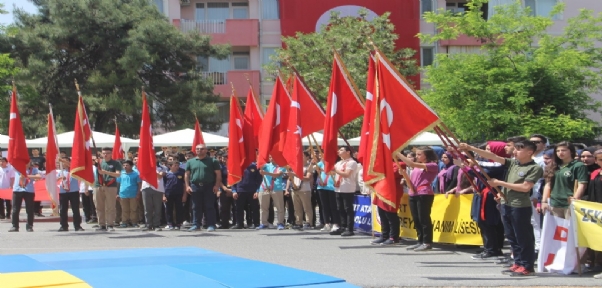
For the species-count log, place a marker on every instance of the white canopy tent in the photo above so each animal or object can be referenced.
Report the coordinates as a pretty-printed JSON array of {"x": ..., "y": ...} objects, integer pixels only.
[
  {"x": 184, "y": 138},
  {"x": 319, "y": 137},
  {"x": 3, "y": 141},
  {"x": 66, "y": 140},
  {"x": 424, "y": 138}
]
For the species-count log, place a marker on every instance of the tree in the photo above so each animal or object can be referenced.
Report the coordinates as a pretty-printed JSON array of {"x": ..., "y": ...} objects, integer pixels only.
[
  {"x": 524, "y": 81},
  {"x": 7, "y": 70},
  {"x": 312, "y": 54},
  {"x": 113, "y": 48}
]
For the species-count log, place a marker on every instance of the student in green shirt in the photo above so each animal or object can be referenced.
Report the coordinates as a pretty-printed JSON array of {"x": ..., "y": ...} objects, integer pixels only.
[
  {"x": 516, "y": 208},
  {"x": 561, "y": 177}
]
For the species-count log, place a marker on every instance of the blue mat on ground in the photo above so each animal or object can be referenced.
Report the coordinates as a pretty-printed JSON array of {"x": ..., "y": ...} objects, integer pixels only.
[{"x": 164, "y": 267}]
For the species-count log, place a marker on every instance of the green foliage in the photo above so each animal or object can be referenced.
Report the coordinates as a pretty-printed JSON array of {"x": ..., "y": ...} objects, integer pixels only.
[
  {"x": 113, "y": 48},
  {"x": 312, "y": 54},
  {"x": 523, "y": 81}
]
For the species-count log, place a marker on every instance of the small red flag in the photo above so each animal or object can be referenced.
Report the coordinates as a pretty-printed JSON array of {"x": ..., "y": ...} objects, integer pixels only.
[
  {"x": 198, "y": 136},
  {"x": 236, "y": 143},
  {"x": 344, "y": 104},
  {"x": 313, "y": 113},
  {"x": 252, "y": 126},
  {"x": 81, "y": 154},
  {"x": 361, "y": 153},
  {"x": 118, "y": 152},
  {"x": 293, "y": 152},
  {"x": 52, "y": 154},
  {"x": 147, "y": 163},
  {"x": 18, "y": 156},
  {"x": 274, "y": 126}
]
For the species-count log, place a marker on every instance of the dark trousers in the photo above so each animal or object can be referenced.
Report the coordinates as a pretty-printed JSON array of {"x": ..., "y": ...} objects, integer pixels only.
[
  {"x": 18, "y": 198},
  {"x": 290, "y": 208},
  {"x": 9, "y": 207},
  {"x": 188, "y": 209},
  {"x": 66, "y": 199},
  {"x": 174, "y": 201},
  {"x": 203, "y": 202},
  {"x": 225, "y": 206},
  {"x": 271, "y": 211},
  {"x": 346, "y": 211},
  {"x": 519, "y": 232},
  {"x": 89, "y": 207},
  {"x": 420, "y": 207},
  {"x": 37, "y": 207},
  {"x": 246, "y": 199},
  {"x": 315, "y": 201},
  {"x": 389, "y": 222},
  {"x": 493, "y": 236},
  {"x": 329, "y": 203}
]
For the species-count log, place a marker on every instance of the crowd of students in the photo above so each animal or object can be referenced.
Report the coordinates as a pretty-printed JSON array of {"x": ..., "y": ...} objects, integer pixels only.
[{"x": 534, "y": 179}]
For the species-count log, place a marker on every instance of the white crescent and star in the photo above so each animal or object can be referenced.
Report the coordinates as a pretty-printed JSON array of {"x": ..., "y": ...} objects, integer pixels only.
[
  {"x": 334, "y": 104},
  {"x": 389, "y": 112}
]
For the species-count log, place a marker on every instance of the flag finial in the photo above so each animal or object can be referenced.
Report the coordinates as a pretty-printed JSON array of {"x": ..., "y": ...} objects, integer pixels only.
[{"x": 76, "y": 85}]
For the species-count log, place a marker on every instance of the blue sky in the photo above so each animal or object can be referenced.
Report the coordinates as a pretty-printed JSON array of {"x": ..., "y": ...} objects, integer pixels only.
[{"x": 6, "y": 19}]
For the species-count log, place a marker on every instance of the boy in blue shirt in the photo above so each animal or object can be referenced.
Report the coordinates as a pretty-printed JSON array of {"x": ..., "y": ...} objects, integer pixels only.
[
  {"x": 129, "y": 193},
  {"x": 272, "y": 187},
  {"x": 23, "y": 190},
  {"x": 68, "y": 194}
]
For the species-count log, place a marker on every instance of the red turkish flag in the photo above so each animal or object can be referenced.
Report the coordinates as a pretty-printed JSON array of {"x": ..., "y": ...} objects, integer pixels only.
[
  {"x": 313, "y": 113},
  {"x": 236, "y": 143},
  {"x": 343, "y": 105},
  {"x": 52, "y": 154},
  {"x": 81, "y": 154},
  {"x": 18, "y": 156},
  {"x": 252, "y": 126},
  {"x": 274, "y": 126},
  {"x": 118, "y": 152},
  {"x": 399, "y": 115},
  {"x": 361, "y": 153},
  {"x": 147, "y": 163},
  {"x": 198, "y": 136},
  {"x": 293, "y": 152}
]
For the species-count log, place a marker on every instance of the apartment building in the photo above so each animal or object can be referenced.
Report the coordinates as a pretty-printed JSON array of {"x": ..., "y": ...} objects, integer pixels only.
[{"x": 254, "y": 29}]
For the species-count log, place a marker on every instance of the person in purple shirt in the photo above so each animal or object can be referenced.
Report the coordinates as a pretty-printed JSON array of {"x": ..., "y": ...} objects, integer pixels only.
[{"x": 424, "y": 172}]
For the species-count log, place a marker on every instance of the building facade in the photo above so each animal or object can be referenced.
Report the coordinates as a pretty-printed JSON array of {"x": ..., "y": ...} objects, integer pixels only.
[{"x": 254, "y": 29}]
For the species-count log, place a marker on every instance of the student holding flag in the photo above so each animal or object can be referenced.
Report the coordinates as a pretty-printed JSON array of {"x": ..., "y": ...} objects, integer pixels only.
[
  {"x": 23, "y": 191},
  {"x": 68, "y": 195}
]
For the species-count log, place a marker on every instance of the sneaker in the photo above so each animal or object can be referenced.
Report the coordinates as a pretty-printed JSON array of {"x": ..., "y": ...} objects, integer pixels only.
[
  {"x": 423, "y": 247},
  {"x": 167, "y": 227},
  {"x": 158, "y": 229},
  {"x": 522, "y": 271},
  {"x": 389, "y": 242},
  {"x": 186, "y": 224},
  {"x": 336, "y": 232},
  {"x": 261, "y": 227},
  {"x": 147, "y": 228},
  {"x": 502, "y": 261},
  {"x": 194, "y": 228},
  {"x": 63, "y": 229},
  {"x": 92, "y": 221},
  {"x": 326, "y": 228},
  {"x": 271, "y": 226},
  {"x": 96, "y": 226},
  {"x": 347, "y": 234},
  {"x": 170, "y": 228},
  {"x": 319, "y": 226},
  {"x": 511, "y": 270},
  {"x": 280, "y": 227},
  {"x": 235, "y": 227},
  {"x": 2, "y": 217},
  {"x": 177, "y": 228},
  {"x": 123, "y": 225},
  {"x": 110, "y": 228},
  {"x": 101, "y": 229},
  {"x": 251, "y": 227},
  {"x": 79, "y": 229},
  {"x": 378, "y": 241},
  {"x": 298, "y": 227},
  {"x": 598, "y": 276},
  {"x": 39, "y": 215},
  {"x": 335, "y": 227},
  {"x": 483, "y": 256},
  {"x": 29, "y": 228},
  {"x": 412, "y": 247},
  {"x": 210, "y": 229},
  {"x": 13, "y": 229},
  {"x": 306, "y": 226}
]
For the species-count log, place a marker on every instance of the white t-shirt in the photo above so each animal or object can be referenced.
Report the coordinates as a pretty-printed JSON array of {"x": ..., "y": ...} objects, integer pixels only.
[
  {"x": 5, "y": 175},
  {"x": 161, "y": 187},
  {"x": 347, "y": 184},
  {"x": 305, "y": 185}
]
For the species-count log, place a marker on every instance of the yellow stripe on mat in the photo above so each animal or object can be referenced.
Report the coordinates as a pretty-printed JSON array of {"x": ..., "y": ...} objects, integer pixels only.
[{"x": 58, "y": 279}]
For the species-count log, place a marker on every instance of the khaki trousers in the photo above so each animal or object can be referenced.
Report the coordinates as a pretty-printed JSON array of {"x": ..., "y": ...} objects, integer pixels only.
[
  {"x": 264, "y": 203},
  {"x": 105, "y": 200},
  {"x": 129, "y": 210},
  {"x": 302, "y": 203},
  {"x": 563, "y": 213}
]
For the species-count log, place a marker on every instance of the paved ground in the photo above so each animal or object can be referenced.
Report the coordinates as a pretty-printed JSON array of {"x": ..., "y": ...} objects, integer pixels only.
[{"x": 352, "y": 259}]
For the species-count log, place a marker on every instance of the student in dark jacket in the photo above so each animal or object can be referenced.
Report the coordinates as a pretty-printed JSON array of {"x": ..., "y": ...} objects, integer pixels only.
[
  {"x": 245, "y": 192},
  {"x": 174, "y": 195}
]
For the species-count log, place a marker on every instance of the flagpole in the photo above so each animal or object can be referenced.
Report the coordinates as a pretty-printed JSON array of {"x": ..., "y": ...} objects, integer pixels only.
[
  {"x": 91, "y": 132},
  {"x": 56, "y": 205}
]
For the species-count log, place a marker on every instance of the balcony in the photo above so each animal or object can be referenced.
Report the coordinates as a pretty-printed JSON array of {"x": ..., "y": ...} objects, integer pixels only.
[
  {"x": 236, "y": 32},
  {"x": 238, "y": 78}
]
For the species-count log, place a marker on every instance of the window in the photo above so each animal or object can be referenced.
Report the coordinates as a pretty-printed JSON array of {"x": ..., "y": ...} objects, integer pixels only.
[
  {"x": 214, "y": 69},
  {"x": 159, "y": 4},
  {"x": 427, "y": 56},
  {"x": 542, "y": 7},
  {"x": 426, "y": 6},
  {"x": 267, "y": 52},
  {"x": 270, "y": 10},
  {"x": 461, "y": 7},
  {"x": 218, "y": 11},
  {"x": 240, "y": 10},
  {"x": 241, "y": 60},
  {"x": 199, "y": 12}
]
